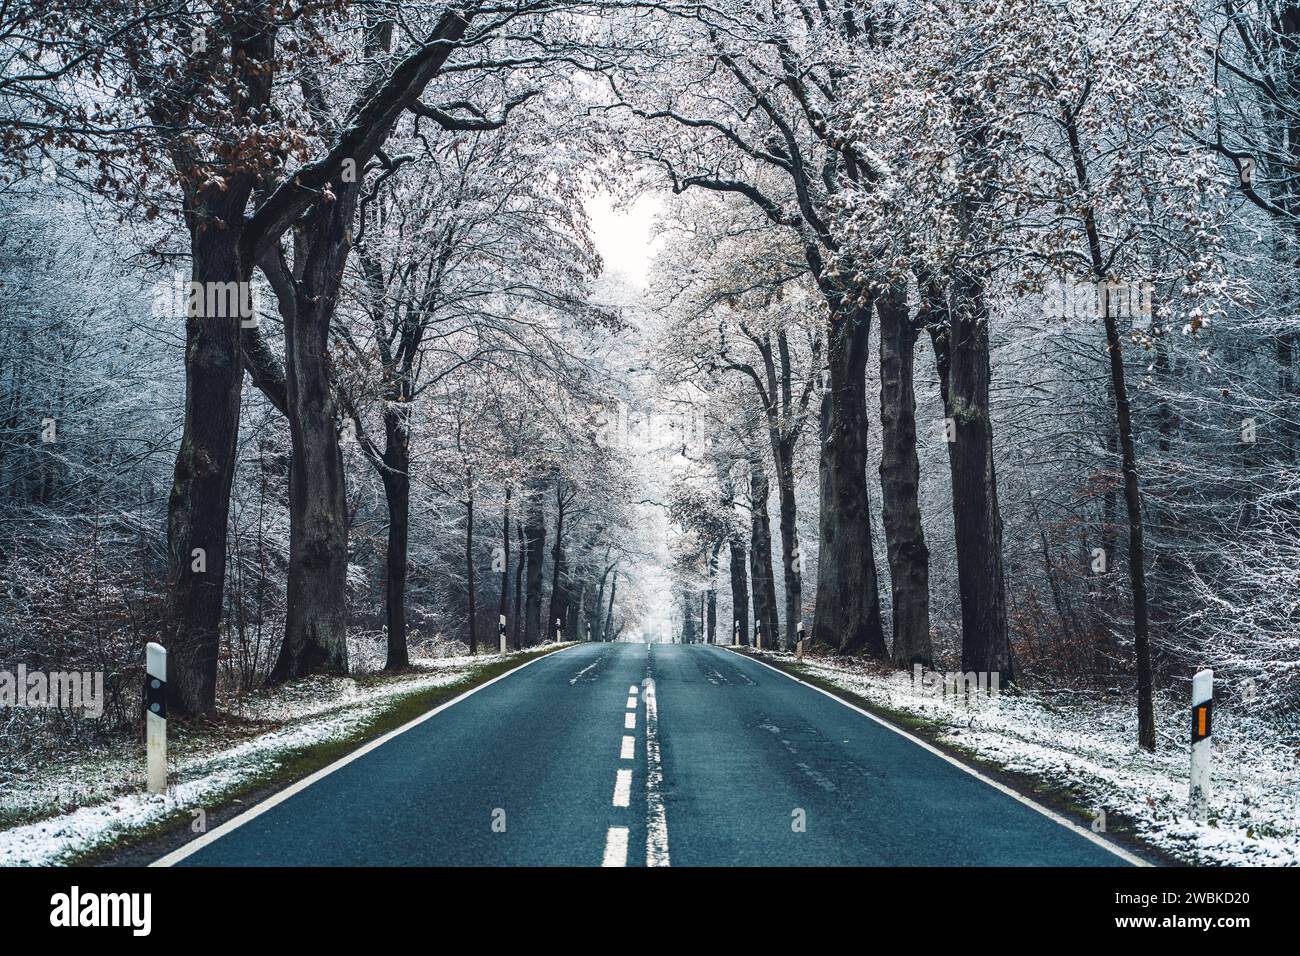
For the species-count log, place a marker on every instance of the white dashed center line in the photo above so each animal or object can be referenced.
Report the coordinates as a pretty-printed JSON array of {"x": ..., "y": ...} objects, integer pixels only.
[
  {"x": 632, "y": 689},
  {"x": 615, "y": 847},
  {"x": 623, "y": 788},
  {"x": 629, "y": 720},
  {"x": 629, "y": 749},
  {"x": 631, "y": 703}
]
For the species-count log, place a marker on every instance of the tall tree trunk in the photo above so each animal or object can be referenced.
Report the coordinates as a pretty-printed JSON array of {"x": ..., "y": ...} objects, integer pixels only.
[
  {"x": 504, "y": 611},
  {"x": 1136, "y": 539},
  {"x": 597, "y": 623},
  {"x": 847, "y": 618},
  {"x": 517, "y": 625},
  {"x": 609, "y": 615},
  {"x": 315, "y": 639},
  {"x": 469, "y": 572},
  {"x": 711, "y": 622},
  {"x": 791, "y": 553},
  {"x": 909, "y": 558},
  {"x": 962, "y": 355},
  {"x": 1128, "y": 454},
  {"x": 559, "y": 586},
  {"x": 535, "y": 532},
  {"x": 760, "y": 557},
  {"x": 397, "y": 492},
  {"x": 199, "y": 506},
  {"x": 739, "y": 591}
]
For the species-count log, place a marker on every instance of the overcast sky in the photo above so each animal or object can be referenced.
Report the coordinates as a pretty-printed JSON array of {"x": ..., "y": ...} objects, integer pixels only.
[{"x": 622, "y": 235}]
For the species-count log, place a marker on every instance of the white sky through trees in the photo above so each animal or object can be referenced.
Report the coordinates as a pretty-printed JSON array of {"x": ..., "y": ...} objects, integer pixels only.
[{"x": 624, "y": 234}]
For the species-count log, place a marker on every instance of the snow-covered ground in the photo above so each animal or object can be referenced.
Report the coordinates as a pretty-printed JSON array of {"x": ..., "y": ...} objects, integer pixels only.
[
  {"x": 93, "y": 800},
  {"x": 1085, "y": 744}
]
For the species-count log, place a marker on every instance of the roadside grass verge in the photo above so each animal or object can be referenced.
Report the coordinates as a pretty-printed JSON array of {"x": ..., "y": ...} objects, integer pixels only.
[{"x": 136, "y": 828}]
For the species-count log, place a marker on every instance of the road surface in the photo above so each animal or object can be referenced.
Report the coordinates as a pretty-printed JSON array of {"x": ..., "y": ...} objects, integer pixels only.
[{"x": 634, "y": 754}]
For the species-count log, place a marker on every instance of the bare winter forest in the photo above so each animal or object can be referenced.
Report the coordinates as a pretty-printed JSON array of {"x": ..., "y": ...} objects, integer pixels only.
[{"x": 965, "y": 335}]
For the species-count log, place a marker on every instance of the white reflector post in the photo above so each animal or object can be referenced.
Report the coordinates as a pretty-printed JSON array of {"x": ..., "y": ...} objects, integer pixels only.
[
  {"x": 1202, "y": 728},
  {"x": 155, "y": 716},
  {"x": 502, "y": 628}
]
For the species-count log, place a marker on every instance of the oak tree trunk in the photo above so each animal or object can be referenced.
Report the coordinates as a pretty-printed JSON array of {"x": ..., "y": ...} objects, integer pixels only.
[
  {"x": 909, "y": 558},
  {"x": 397, "y": 493},
  {"x": 847, "y": 617},
  {"x": 760, "y": 557},
  {"x": 535, "y": 546}
]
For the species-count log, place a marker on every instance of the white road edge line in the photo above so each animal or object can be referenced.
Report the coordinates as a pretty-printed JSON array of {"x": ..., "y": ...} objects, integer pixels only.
[
  {"x": 623, "y": 788},
  {"x": 629, "y": 720},
  {"x": 615, "y": 847},
  {"x": 629, "y": 749},
  {"x": 234, "y": 823},
  {"x": 1045, "y": 811}
]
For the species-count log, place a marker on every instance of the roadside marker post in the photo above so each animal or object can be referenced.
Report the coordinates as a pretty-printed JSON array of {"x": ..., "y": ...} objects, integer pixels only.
[
  {"x": 798, "y": 648},
  {"x": 758, "y": 635},
  {"x": 155, "y": 716},
  {"x": 501, "y": 630},
  {"x": 1202, "y": 729},
  {"x": 558, "y": 638},
  {"x": 735, "y": 633}
]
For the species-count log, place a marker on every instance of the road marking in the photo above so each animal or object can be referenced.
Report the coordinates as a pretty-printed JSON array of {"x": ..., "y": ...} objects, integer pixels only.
[
  {"x": 629, "y": 720},
  {"x": 629, "y": 749},
  {"x": 632, "y": 689},
  {"x": 656, "y": 825},
  {"x": 1020, "y": 798},
  {"x": 273, "y": 801},
  {"x": 623, "y": 788},
  {"x": 615, "y": 847},
  {"x": 631, "y": 703},
  {"x": 575, "y": 677}
]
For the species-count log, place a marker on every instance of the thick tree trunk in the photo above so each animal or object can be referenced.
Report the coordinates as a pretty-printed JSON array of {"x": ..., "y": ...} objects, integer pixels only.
[
  {"x": 199, "y": 505},
  {"x": 739, "y": 592},
  {"x": 847, "y": 618},
  {"x": 397, "y": 492},
  {"x": 760, "y": 557},
  {"x": 909, "y": 558},
  {"x": 535, "y": 533},
  {"x": 962, "y": 354},
  {"x": 315, "y": 639}
]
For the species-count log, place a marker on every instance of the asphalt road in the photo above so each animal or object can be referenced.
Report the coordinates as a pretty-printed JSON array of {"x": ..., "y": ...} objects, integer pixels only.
[{"x": 632, "y": 754}]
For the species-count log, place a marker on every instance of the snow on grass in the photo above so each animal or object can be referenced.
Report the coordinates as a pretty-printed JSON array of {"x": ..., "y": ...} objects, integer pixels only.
[
  {"x": 79, "y": 805},
  {"x": 1084, "y": 744}
]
